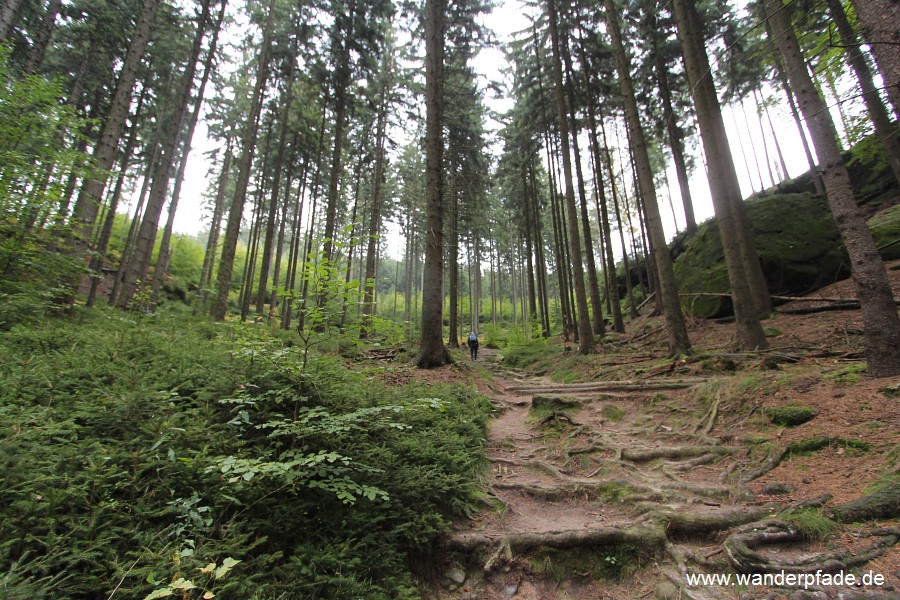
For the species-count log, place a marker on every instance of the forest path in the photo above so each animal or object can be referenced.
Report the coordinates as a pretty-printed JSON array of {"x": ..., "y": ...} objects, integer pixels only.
[{"x": 609, "y": 490}]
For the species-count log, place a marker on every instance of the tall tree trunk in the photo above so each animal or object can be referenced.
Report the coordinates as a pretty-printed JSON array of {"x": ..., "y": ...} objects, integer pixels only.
[
  {"x": 679, "y": 343},
  {"x": 106, "y": 232},
  {"x": 432, "y": 352},
  {"x": 723, "y": 183},
  {"x": 42, "y": 39},
  {"x": 782, "y": 79},
  {"x": 885, "y": 130},
  {"x": 342, "y": 83},
  {"x": 215, "y": 224},
  {"x": 88, "y": 203},
  {"x": 135, "y": 275},
  {"x": 880, "y": 21},
  {"x": 614, "y": 189},
  {"x": 300, "y": 259},
  {"x": 606, "y": 249},
  {"x": 248, "y": 145},
  {"x": 585, "y": 331},
  {"x": 453, "y": 260},
  {"x": 674, "y": 132},
  {"x": 880, "y": 321},
  {"x": 278, "y": 168},
  {"x": 762, "y": 107},
  {"x": 594, "y": 286},
  {"x": 539, "y": 244},
  {"x": 612, "y": 286},
  {"x": 8, "y": 10},
  {"x": 164, "y": 257},
  {"x": 135, "y": 223},
  {"x": 387, "y": 75}
]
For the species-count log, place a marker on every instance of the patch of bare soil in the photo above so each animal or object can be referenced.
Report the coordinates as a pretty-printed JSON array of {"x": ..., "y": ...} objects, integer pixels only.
[{"x": 660, "y": 469}]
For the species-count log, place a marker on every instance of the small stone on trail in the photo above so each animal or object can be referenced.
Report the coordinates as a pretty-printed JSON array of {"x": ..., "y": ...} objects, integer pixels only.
[
  {"x": 777, "y": 488},
  {"x": 510, "y": 591},
  {"x": 456, "y": 575}
]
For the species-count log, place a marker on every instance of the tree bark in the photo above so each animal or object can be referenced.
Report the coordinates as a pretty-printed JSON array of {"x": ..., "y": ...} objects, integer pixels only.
[
  {"x": 679, "y": 343},
  {"x": 88, "y": 204},
  {"x": 723, "y": 181},
  {"x": 135, "y": 275},
  {"x": 676, "y": 136},
  {"x": 42, "y": 39},
  {"x": 8, "y": 10},
  {"x": 387, "y": 76},
  {"x": 288, "y": 98},
  {"x": 340, "y": 120},
  {"x": 432, "y": 352},
  {"x": 215, "y": 224},
  {"x": 880, "y": 21},
  {"x": 596, "y": 304},
  {"x": 880, "y": 321}
]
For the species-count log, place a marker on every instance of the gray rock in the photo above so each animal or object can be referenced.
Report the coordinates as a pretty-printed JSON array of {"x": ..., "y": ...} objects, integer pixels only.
[{"x": 456, "y": 575}]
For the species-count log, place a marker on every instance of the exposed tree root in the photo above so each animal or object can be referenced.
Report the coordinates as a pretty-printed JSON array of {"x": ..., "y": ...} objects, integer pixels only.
[
  {"x": 773, "y": 461},
  {"x": 883, "y": 503},
  {"x": 709, "y": 419},
  {"x": 619, "y": 490},
  {"x": 687, "y": 465},
  {"x": 539, "y": 465},
  {"x": 649, "y": 537},
  {"x": 673, "y": 452},
  {"x": 740, "y": 548},
  {"x": 693, "y": 524},
  {"x": 502, "y": 555}
]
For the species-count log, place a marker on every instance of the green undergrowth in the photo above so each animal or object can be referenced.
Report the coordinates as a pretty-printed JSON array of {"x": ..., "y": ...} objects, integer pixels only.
[
  {"x": 528, "y": 353},
  {"x": 811, "y": 523},
  {"x": 139, "y": 454}
]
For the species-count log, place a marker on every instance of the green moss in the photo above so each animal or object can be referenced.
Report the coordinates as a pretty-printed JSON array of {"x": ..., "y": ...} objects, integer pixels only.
[
  {"x": 820, "y": 442},
  {"x": 798, "y": 244},
  {"x": 612, "y": 412},
  {"x": 790, "y": 416},
  {"x": 885, "y": 228},
  {"x": 598, "y": 563},
  {"x": 890, "y": 391},
  {"x": 849, "y": 375}
]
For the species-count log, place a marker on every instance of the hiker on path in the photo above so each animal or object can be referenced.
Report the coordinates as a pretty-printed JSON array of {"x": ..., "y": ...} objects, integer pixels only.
[{"x": 473, "y": 345}]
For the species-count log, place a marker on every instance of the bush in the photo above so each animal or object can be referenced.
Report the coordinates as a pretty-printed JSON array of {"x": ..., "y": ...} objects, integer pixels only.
[{"x": 135, "y": 453}]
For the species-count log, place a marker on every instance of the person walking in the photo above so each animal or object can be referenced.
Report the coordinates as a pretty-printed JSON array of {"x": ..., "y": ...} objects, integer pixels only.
[{"x": 473, "y": 345}]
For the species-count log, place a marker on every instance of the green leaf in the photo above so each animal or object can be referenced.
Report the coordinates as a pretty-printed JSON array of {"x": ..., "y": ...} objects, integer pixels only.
[
  {"x": 160, "y": 593},
  {"x": 182, "y": 584},
  {"x": 227, "y": 565}
]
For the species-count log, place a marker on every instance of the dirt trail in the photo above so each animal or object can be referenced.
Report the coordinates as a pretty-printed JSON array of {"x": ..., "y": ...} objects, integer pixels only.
[{"x": 617, "y": 492}]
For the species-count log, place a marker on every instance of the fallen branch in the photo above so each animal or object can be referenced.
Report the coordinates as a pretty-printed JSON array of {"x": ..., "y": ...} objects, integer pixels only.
[
  {"x": 646, "y": 537},
  {"x": 600, "y": 386},
  {"x": 818, "y": 309}
]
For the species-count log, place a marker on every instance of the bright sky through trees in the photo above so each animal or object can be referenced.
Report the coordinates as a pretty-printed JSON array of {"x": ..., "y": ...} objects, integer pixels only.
[{"x": 508, "y": 19}]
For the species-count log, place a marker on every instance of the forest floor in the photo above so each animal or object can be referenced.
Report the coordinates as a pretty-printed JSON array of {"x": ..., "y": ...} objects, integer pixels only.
[{"x": 658, "y": 469}]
